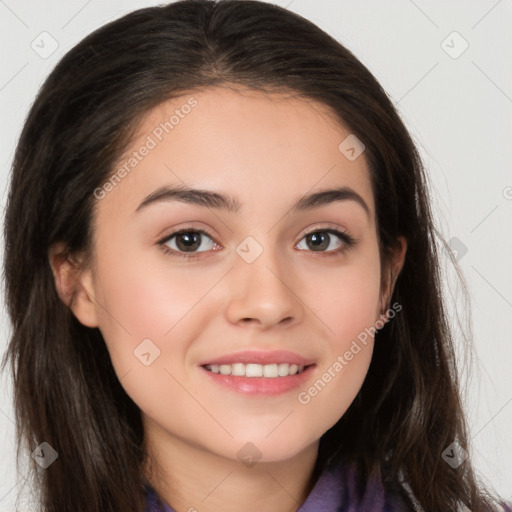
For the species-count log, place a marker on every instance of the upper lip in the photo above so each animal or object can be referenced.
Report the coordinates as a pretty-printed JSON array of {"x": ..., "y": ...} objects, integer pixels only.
[{"x": 259, "y": 357}]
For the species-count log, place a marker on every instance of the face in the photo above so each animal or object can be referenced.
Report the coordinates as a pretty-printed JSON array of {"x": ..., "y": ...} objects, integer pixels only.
[{"x": 256, "y": 267}]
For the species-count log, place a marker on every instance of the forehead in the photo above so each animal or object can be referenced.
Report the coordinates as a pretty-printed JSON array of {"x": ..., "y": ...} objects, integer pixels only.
[{"x": 256, "y": 146}]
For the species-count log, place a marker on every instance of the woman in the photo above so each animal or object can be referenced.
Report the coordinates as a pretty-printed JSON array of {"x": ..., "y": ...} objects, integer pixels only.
[{"x": 216, "y": 231}]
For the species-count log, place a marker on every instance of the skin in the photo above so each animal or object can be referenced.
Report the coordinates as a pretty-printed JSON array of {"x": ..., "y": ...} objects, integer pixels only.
[{"x": 266, "y": 150}]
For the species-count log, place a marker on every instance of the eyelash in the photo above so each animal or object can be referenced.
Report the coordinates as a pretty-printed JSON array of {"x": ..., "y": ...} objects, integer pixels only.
[{"x": 348, "y": 242}]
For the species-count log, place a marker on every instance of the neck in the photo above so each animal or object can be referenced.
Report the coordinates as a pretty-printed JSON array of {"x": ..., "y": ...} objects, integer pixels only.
[{"x": 191, "y": 479}]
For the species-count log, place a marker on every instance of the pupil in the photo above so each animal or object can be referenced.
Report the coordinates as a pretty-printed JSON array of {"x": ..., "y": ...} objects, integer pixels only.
[
  {"x": 190, "y": 241},
  {"x": 319, "y": 240}
]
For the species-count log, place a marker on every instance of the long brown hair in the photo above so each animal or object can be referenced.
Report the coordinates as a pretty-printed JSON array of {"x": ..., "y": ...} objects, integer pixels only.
[{"x": 408, "y": 410}]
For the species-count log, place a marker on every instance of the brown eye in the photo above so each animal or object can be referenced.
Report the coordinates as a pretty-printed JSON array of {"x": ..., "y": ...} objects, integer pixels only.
[
  {"x": 318, "y": 241},
  {"x": 188, "y": 241},
  {"x": 326, "y": 240}
]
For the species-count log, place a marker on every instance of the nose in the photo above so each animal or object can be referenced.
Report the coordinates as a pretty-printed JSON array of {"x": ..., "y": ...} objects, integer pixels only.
[{"x": 261, "y": 293}]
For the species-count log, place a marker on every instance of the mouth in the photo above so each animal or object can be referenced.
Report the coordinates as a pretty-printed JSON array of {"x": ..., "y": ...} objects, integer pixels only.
[
  {"x": 258, "y": 372},
  {"x": 259, "y": 380},
  {"x": 254, "y": 370}
]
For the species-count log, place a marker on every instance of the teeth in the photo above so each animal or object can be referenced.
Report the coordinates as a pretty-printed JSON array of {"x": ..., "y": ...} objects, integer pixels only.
[{"x": 256, "y": 370}]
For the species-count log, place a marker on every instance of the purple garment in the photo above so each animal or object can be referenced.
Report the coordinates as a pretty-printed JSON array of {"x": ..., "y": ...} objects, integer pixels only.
[{"x": 334, "y": 491}]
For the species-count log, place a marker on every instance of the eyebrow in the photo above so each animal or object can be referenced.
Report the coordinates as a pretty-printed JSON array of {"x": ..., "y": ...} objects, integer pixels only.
[{"x": 210, "y": 199}]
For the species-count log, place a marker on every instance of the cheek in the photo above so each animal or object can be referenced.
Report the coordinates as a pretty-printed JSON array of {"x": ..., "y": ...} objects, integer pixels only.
[
  {"x": 348, "y": 347},
  {"x": 148, "y": 300},
  {"x": 337, "y": 384},
  {"x": 146, "y": 318},
  {"x": 346, "y": 301},
  {"x": 139, "y": 301}
]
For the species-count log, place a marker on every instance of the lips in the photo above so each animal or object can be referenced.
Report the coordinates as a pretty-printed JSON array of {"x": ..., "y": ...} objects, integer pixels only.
[
  {"x": 265, "y": 386},
  {"x": 260, "y": 357}
]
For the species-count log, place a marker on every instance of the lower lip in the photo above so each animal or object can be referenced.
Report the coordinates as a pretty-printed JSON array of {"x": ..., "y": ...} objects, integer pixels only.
[{"x": 261, "y": 385}]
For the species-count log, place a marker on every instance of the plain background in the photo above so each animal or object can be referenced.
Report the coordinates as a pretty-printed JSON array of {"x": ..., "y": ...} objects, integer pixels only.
[{"x": 457, "y": 103}]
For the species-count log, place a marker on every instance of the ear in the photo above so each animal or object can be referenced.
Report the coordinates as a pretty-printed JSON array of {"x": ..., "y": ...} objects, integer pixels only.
[
  {"x": 390, "y": 273},
  {"x": 74, "y": 284}
]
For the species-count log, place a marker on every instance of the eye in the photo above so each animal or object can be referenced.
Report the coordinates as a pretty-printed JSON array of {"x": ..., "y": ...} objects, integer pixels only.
[
  {"x": 327, "y": 240},
  {"x": 187, "y": 242}
]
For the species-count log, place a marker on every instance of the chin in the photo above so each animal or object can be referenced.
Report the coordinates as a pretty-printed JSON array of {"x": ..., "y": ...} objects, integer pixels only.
[{"x": 263, "y": 449}]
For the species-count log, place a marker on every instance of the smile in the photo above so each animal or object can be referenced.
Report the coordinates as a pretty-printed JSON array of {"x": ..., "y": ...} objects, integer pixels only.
[
  {"x": 256, "y": 379},
  {"x": 270, "y": 371}
]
